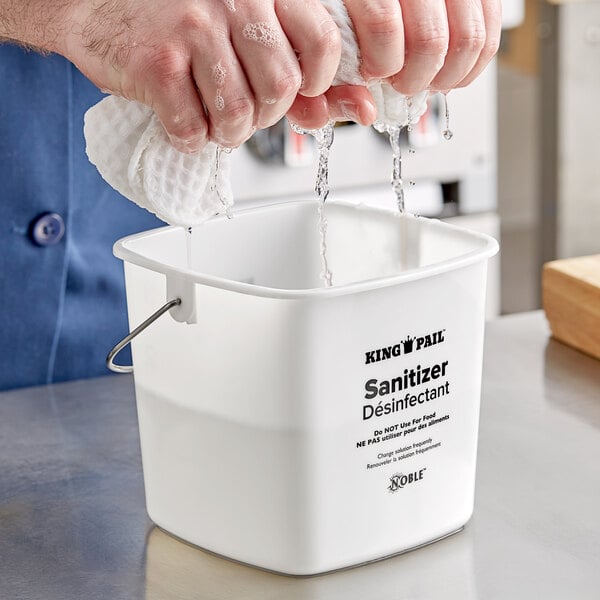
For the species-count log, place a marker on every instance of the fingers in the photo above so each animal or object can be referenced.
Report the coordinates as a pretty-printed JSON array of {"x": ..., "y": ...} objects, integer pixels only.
[
  {"x": 237, "y": 66},
  {"x": 309, "y": 113},
  {"x": 316, "y": 41},
  {"x": 171, "y": 92},
  {"x": 467, "y": 38},
  {"x": 351, "y": 103},
  {"x": 427, "y": 36},
  {"x": 340, "y": 103},
  {"x": 295, "y": 47},
  {"x": 492, "y": 15},
  {"x": 379, "y": 30},
  {"x": 448, "y": 43},
  {"x": 228, "y": 99},
  {"x": 213, "y": 70},
  {"x": 269, "y": 63}
]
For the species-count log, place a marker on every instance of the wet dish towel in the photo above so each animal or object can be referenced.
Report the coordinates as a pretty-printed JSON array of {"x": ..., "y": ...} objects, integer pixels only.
[{"x": 129, "y": 147}]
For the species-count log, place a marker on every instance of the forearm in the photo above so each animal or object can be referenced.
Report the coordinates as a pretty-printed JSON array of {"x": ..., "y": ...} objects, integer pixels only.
[{"x": 40, "y": 24}]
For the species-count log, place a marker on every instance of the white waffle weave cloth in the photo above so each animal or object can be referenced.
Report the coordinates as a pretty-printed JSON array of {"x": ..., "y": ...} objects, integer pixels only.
[{"x": 128, "y": 145}]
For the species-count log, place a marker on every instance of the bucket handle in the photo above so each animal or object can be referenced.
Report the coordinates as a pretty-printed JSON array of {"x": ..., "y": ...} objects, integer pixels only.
[{"x": 127, "y": 339}]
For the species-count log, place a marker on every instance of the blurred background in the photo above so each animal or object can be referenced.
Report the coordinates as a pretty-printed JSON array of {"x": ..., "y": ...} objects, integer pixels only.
[{"x": 548, "y": 133}]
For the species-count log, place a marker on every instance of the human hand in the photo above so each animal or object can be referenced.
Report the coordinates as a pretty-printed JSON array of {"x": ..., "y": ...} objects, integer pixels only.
[
  {"x": 426, "y": 44},
  {"x": 416, "y": 45},
  {"x": 212, "y": 70}
]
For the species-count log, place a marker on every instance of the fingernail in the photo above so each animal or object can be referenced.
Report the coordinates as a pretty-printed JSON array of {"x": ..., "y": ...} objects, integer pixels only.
[
  {"x": 349, "y": 110},
  {"x": 370, "y": 113}
]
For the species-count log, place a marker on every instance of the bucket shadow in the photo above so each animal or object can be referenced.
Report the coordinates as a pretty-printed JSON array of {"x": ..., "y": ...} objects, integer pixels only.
[
  {"x": 572, "y": 382},
  {"x": 178, "y": 571}
]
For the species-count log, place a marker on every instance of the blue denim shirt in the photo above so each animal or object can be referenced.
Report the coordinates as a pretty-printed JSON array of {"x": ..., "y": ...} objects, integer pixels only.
[{"x": 62, "y": 306}]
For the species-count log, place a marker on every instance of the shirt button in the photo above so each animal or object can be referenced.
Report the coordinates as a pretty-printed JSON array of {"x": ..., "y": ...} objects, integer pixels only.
[{"x": 47, "y": 229}]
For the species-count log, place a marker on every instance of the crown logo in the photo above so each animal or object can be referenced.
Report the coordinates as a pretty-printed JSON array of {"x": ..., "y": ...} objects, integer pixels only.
[{"x": 407, "y": 344}]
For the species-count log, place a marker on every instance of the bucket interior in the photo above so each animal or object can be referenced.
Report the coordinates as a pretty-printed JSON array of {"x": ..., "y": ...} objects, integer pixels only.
[{"x": 278, "y": 246}]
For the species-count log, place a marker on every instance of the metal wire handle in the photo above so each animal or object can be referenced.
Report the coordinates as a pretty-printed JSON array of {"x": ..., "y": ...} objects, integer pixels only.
[{"x": 126, "y": 340}]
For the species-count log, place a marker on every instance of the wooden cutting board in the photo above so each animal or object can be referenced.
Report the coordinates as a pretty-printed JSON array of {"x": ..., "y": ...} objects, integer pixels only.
[{"x": 571, "y": 300}]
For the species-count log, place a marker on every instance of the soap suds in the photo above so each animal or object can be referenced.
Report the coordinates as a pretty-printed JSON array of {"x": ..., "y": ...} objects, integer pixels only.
[
  {"x": 262, "y": 33},
  {"x": 219, "y": 74},
  {"x": 219, "y": 102}
]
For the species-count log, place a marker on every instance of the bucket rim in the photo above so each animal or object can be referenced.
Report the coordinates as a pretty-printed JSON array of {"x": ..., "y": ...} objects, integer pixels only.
[{"x": 489, "y": 247}]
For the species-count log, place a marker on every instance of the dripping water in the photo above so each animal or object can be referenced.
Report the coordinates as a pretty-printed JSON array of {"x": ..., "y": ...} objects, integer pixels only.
[
  {"x": 394, "y": 133},
  {"x": 188, "y": 244},
  {"x": 447, "y": 133},
  {"x": 409, "y": 105},
  {"x": 397, "y": 183},
  {"x": 324, "y": 138},
  {"x": 214, "y": 186}
]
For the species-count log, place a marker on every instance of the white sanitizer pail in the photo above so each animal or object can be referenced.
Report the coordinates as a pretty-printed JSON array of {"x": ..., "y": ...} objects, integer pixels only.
[{"x": 301, "y": 428}]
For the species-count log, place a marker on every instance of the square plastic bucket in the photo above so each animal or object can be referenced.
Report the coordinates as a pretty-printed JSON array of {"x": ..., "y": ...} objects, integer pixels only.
[{"x": 299, "y": 428}]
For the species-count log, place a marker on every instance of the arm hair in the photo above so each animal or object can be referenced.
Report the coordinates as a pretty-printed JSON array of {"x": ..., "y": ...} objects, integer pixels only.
[{"x": 37, "y": 24}]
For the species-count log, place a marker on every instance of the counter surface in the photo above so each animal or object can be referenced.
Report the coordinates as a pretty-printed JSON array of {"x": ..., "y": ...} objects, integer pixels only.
[{"x": 73, "y": 523}]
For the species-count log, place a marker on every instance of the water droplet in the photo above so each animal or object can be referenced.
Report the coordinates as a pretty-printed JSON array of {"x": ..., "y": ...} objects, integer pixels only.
[
  {"x": 447, "y": 133},
  {"x": 188, "y": 244},
  {"x": 214, "y": 186},
  {"x": 297, "y": 129}
]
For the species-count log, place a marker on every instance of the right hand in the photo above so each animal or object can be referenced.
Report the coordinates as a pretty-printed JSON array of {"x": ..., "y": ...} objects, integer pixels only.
[
  {"x": 417, "y": 45},
  {"x": 211, "y": 70}
]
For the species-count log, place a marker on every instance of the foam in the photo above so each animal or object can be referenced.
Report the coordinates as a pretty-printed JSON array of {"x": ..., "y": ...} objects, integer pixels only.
[
  {"x": 262, "y": 33},
  {"x": 219, "y": 101},
  {"x": 219, "y": 74}
]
